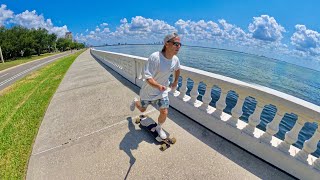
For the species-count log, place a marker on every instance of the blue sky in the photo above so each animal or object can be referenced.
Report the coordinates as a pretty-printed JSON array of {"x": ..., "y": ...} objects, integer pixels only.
[{"x": 282, "y": 29}]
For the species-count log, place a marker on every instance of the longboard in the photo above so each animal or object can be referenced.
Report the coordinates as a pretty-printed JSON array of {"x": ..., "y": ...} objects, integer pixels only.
[{"x": 150, "y": 125}]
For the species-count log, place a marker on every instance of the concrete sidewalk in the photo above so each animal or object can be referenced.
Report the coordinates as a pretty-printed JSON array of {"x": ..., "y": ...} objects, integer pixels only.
[{"x": 88, "y": 133}]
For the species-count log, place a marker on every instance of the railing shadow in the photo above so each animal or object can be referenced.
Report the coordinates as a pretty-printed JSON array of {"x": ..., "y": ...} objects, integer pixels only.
[{"x": 242, "y": 157}]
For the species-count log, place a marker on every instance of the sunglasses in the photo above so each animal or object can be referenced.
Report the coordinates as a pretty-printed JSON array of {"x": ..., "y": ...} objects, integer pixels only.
[{"x": 176, "y": 43}]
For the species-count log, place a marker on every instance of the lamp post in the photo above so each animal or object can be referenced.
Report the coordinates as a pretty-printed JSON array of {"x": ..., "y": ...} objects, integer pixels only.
[{"x": 1, "y": 55}]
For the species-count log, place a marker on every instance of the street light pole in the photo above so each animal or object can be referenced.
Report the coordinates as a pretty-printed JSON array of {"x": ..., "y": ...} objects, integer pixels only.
[{"x": 1, "y": 55}]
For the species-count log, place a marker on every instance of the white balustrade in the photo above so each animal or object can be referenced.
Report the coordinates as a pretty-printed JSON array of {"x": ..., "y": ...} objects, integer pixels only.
[
  {"x": 206, "y": 99},
  {"x": 309, "y": 147},
  {"x": 254, "y": 119},
  {"x": 194, "y": 92},
  {"x": 183, "y": 88},
  {"x": 272, "y": 127},
  {"x": 131, "y": 67},
  {"x": 292, "y": 136},
  {"x": 236, "y": 112},
  {"x": 221, "y": 103}
]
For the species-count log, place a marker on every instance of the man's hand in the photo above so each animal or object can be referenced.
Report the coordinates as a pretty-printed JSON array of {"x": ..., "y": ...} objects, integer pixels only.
[
  {"x": 174, "y": 85},
  {"x": 162, "y": 88},
  {"x": 155, "y": 84}
]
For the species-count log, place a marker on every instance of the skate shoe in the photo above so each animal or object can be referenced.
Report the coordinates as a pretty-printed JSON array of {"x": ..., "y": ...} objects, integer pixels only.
[
  {"x": 161, "y": 133},
  {"x": 133, "y": 104}
]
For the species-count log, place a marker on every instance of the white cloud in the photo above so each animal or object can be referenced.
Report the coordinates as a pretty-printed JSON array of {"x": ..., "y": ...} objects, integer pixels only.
[
  {"x": 106, "y": 30},
  {"x": 104, "y": 24},
  {"x": 266, "y": 28},
  {"x": 30, "y": 19},
  {"x": 5, "y": 14},
  {"x": 142, "y": 28},
  {"x": 306, "y": 40},
  {"x": 263, "y": 35},
  {"x": 123, "y": 21}
]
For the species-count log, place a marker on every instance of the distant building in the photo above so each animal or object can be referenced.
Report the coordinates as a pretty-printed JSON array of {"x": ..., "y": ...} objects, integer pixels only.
[{"x": 68, "y": 35}]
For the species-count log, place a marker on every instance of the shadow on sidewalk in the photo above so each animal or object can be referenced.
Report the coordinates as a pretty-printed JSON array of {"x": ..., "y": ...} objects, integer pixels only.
[{"x": 132, "y": 140}]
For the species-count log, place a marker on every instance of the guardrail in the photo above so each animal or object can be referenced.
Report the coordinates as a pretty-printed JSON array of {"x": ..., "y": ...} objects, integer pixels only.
[{"x": 281, "y": 153}]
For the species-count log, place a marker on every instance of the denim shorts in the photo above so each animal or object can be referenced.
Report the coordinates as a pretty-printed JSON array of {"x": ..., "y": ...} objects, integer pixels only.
[{"x": 162, "y": 103}]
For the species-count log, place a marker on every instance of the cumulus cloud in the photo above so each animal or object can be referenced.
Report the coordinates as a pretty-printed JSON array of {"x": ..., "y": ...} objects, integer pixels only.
[
  {"x": 104, "y": 24},
  {"x": 30, "y": 19},
  {"x": 5, "y": 14},
  {"x": 142, "y": 28},
  {"x": 263, "y": 35},
  {"x": 212, "y": 32},
  {"x": 266, "y": 28},
  {"x": 123, "y": 21},
  {"x": 201, "y": 30},
  {"x": 306, "y": 40}
]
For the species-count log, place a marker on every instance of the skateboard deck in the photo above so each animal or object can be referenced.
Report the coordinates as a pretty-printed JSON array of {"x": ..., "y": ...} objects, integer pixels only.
[{"x": 150, "y": 125}]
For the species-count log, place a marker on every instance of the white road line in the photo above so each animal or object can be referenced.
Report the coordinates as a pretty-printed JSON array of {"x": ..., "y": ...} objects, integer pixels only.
[
  {"x": 89, "y": 134},
  {"x": 94, "y": 132},
  {"x": 26, "y": 71},
  {"x": 4, "y": 75}
]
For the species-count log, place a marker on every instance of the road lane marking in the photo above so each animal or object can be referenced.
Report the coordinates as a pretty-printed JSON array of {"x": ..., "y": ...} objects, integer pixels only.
[
  {"x": 26, "y": 71},
  {"x": 4, "y": 75}
]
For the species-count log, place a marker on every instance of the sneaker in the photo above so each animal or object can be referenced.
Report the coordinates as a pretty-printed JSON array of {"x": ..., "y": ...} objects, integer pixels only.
[
  {"x": 133, "y": 104},
  {"x": 161, "y": 133}
]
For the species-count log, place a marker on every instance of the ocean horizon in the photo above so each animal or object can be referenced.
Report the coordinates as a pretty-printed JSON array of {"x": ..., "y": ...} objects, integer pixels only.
[{"x": 290, "y": 78}]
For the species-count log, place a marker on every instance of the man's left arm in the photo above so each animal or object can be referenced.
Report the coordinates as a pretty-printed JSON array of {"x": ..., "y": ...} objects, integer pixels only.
[{"x": 176, "y": 78}]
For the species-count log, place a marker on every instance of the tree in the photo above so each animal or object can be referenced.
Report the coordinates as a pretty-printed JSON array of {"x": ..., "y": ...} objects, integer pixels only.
[
  {"x": 52, "y": 38},
  {"x": 40, "y": 36}
]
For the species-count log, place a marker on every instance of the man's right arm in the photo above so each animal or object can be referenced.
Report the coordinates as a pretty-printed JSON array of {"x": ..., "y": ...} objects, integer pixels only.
[{"x": 155, "y": 84}]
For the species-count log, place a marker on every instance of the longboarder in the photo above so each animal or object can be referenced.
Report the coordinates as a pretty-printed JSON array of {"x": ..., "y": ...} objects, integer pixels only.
[{"x": 157, "y": 70}]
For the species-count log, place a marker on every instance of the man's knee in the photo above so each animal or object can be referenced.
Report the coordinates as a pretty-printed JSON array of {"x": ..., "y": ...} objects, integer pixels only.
[
  {"x": 164, "y": 111},
  {"x": 143, "y": 109}
]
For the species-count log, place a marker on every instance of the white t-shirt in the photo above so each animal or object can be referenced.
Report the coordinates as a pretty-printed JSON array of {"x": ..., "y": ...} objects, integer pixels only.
[{"x": 159, "y": 68}]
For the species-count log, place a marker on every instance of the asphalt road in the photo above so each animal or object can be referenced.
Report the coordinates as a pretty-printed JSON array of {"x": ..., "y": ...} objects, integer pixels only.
[{"x": 11, "y": 75}]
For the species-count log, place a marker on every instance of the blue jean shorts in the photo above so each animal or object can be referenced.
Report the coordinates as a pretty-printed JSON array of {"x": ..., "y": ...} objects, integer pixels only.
[{"x": 162, "y": 103}]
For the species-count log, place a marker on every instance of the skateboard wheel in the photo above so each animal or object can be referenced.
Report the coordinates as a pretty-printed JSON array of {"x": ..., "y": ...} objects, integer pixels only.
[
  {"x": 173, "y": 140},
  {"x": 137, "y": 120},
  {"x": 163, "y": 147}
]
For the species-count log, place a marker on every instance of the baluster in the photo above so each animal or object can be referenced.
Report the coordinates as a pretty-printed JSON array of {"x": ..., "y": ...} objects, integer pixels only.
[
  {"x": 273, "y": 127},
  {"x": 291, "y": 137},
  {"x": 309, "y": 147},
  {"x": 236, "y": 112},
  {"x": 139, "y": 70},
  {"x": 206, "y": 99},
  {"x": 194, "y": 92},
  {"x": 174, "y": 90},
  {"x": 221, "y": 103},
  {"x": 254, "y": 119},
  {"x": 184, "y": 87}
]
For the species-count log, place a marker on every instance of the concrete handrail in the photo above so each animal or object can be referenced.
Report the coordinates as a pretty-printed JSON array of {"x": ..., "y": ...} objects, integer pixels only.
[{"x": 281, "y": 153}]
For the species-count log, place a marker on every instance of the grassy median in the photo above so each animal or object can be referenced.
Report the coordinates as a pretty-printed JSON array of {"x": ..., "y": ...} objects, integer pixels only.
[
  {"x": 23, "y": 60},
  {"x": 22, "y": 108}
]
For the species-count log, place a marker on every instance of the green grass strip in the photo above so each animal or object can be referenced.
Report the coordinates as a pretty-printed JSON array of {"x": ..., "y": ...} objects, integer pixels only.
[
  {"x": 23, "y": 106},
  {"x": 23, "y": 60}
]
